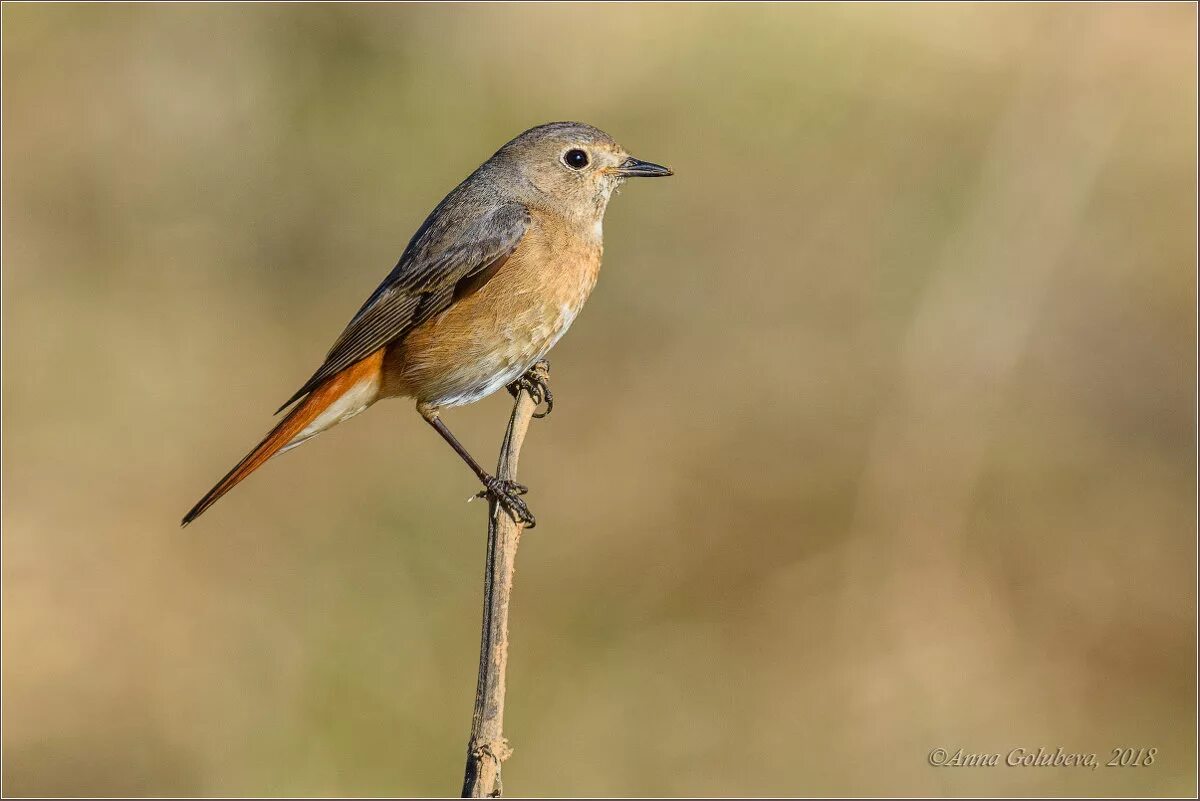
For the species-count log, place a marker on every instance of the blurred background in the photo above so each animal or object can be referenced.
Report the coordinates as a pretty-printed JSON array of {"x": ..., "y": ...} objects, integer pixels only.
[{"x": 877, "y": 435}]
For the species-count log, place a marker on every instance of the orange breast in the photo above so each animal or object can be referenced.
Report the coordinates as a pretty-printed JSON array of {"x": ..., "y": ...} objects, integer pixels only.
[{"x": 488, "y": 338}]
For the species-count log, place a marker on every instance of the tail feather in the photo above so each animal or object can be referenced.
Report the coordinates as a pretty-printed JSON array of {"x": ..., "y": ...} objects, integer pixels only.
[{"x": 357, "y": 386}]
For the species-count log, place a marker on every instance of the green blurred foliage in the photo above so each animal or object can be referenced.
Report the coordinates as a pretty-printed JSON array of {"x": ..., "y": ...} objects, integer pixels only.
[{"x": 876, "y": 436}]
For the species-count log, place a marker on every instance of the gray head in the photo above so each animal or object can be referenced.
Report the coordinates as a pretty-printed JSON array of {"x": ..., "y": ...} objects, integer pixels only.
[{"x": 569, "y": 167}]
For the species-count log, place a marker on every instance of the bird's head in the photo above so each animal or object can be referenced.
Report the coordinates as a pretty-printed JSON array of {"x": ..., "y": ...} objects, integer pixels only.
[{"x": 570, "y": 168}]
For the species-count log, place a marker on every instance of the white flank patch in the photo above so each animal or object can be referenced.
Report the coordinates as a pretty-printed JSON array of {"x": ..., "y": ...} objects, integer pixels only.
[
  {"x": 352, "y": 401},
  {"x": 566, "y": 317},
  {"x": 598, "y": 229},
  {"x": 478, "y": 391}
]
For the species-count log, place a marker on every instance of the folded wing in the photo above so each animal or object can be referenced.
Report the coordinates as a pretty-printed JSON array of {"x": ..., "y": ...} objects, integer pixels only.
[{"x": 461, "y": 239}]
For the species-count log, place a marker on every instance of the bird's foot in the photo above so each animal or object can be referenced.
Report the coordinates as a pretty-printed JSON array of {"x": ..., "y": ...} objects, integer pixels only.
[
  {"x": 508, "y": 494},
  {"x": 536, "y": 383}
]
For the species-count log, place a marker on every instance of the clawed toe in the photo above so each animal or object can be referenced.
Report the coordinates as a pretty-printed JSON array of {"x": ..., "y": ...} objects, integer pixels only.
[
  {"x": 547, "y": 396},
  {"x": 508, "y": 494},
  {"x": 535, "y": 382}
]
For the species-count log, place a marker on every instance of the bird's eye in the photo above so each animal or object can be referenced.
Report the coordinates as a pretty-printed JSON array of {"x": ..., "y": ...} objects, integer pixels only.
[{"x": 575, "y": 159}]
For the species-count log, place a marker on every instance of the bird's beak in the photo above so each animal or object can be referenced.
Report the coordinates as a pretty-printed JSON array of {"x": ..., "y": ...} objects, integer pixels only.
[{"x": 636, "y": 168}]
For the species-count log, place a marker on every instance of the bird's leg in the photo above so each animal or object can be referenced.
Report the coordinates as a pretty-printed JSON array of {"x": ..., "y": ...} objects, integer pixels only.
[
  {"x": 507, "y": 493},
  {"x": 536, "y": 382}
]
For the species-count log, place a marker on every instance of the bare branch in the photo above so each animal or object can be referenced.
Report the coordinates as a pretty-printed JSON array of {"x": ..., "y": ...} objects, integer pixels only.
[{"x": 487, "y": 748}]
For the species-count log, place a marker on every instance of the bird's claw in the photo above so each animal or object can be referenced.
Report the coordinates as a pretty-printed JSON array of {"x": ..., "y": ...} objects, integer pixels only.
[
  {"x": 508, "y": 494},
  {"x": 535, "y": 381}
]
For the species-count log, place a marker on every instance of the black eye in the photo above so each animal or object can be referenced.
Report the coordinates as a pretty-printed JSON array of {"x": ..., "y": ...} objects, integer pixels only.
[{"x": 575, "y": 159}]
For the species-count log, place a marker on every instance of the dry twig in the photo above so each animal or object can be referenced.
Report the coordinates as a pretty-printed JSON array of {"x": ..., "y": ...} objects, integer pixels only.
[{"x": 487, "y": 748}]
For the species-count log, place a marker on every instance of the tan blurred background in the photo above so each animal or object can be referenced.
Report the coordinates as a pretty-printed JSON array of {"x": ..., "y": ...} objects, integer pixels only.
[{"x": 876, "y": 436}]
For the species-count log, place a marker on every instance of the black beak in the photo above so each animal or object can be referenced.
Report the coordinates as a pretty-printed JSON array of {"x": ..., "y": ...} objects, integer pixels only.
[{"x": 636, "y": 168}]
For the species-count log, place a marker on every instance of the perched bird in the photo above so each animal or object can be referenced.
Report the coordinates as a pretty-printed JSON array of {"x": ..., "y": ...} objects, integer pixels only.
[{"x": 488, "y": 284}]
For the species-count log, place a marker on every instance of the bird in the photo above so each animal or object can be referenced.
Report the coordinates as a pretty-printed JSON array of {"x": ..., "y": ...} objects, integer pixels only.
[{"x": 487, "y": 285}]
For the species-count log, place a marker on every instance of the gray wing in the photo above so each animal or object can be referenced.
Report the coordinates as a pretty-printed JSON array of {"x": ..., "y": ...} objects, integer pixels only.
[{"x": 457, "y": 242}]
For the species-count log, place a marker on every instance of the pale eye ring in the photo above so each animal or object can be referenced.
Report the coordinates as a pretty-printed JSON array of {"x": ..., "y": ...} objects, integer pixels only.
[{"x": 575, "y": 158}]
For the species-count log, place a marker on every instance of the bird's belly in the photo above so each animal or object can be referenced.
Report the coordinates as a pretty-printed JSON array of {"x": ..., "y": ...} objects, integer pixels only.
[
  {"x": 484, "y": 342},
  {"x": 461, "y": 369}
]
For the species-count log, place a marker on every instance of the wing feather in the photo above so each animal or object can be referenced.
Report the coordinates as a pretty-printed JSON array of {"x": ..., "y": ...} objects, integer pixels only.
[{"x": 453, "y": 244}]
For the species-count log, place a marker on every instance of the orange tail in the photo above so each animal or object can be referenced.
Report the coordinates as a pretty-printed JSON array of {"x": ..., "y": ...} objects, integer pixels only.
[{"x": 306, "y": 420}]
